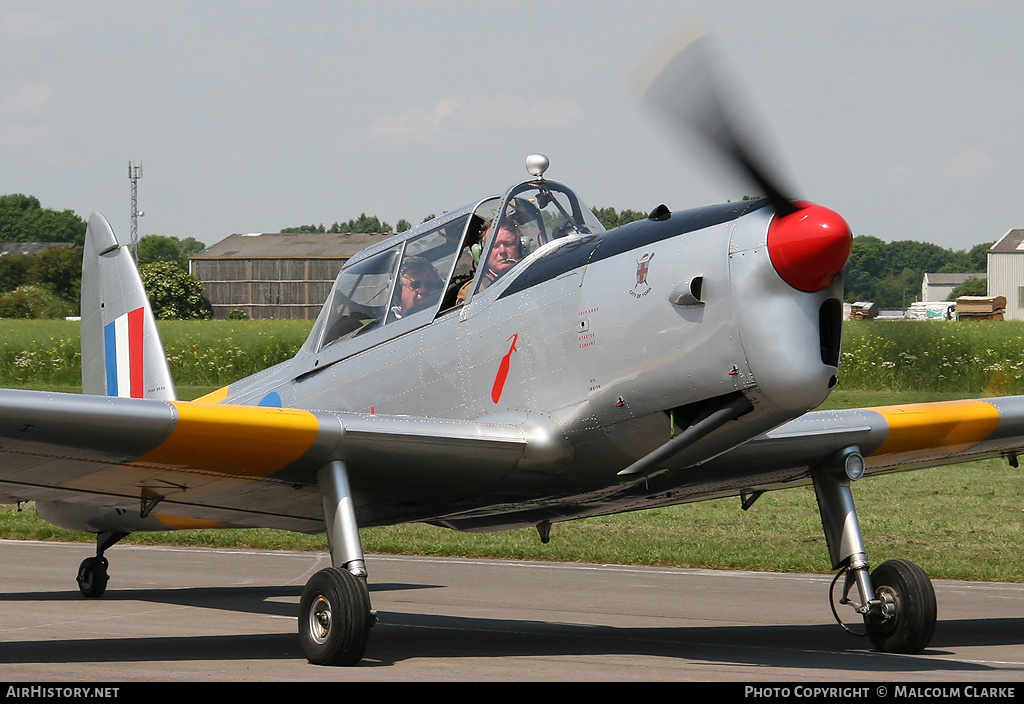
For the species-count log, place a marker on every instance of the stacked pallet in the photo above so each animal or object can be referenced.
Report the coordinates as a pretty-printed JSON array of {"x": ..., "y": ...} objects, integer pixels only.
[
  {"x": 980, "y": 307},
  {"x": 863, "y": 310}
]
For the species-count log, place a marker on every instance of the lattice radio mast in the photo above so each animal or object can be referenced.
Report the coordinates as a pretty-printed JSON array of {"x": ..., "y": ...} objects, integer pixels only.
[{"x": 134, "y": 174}]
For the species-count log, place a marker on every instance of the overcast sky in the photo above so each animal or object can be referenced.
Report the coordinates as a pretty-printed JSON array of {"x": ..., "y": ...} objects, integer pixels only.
[{"x": 252, "y": 116}]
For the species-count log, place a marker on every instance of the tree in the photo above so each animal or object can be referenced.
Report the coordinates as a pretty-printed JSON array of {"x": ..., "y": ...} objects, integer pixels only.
[
  {"x": 60, "y": 270},
  {"x": 977, "y": 257},
  {"x": 865, "y": 266},
  {"x": 364, "y": 224},
  {"x": 23, "y": 219},
  {"x": 972, "y": 287},
  {"x": 897, "y": 290},
  {"x": 163, "y": 248},
  {"x": 14, "y": 271},
  {"x": 174, "y": 294},
  {"x": 609, "y": 218},
  {"x": 919, "y": 256},
  {"x": 32, "y": 301},
  {"x": 890, "y": 274}
]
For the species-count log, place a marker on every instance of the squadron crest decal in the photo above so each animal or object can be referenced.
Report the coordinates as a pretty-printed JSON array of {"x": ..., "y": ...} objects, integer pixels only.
[{"x": 641, "y": 288}]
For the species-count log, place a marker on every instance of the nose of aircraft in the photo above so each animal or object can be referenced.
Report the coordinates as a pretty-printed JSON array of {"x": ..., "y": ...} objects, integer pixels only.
[{"x": 809, "y": 247}]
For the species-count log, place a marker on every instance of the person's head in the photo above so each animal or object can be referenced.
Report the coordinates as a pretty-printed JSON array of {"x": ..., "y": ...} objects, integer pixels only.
[
  {"x": 420, "y": 284},
  {"x": 506, "y": 251},
  {"x": 485, "y": 229}
]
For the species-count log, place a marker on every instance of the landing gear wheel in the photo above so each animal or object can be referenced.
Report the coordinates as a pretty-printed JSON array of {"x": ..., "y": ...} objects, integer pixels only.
[
  {"x": 92, "y": 576},
  {"x": 908, "y": 603},
  {"x": 334, "y": 618}
]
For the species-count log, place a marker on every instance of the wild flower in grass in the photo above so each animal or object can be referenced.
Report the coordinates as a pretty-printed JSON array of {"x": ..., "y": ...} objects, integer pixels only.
[{"x": 25, "y": 360}]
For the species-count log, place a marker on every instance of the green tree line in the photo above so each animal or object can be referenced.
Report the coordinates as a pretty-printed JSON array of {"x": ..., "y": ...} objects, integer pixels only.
[
  {"x": 23, "y": 219},
  {"x": 369, "y": 224},
  {"x": 890, "y": 274},
  {"x": 48, "y": 284},
  {"x": 364, "y": 224}
]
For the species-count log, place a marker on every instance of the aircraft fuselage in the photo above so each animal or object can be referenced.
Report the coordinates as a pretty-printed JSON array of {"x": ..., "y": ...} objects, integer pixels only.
[{"x": 610, "y": 342}]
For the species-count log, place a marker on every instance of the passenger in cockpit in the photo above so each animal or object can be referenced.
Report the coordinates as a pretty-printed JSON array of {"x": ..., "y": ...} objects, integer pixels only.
[{"x": 421, "y": 286}]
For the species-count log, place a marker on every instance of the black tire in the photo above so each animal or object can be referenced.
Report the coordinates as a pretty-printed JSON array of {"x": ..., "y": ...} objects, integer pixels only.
[
  {"x": 92, "y": 577},
  {"x": 910, "y": 592},
  {"x": 334, "y": 618}
]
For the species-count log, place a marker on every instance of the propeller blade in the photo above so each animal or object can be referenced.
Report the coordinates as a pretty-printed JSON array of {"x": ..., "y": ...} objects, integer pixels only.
[
  {"x": 808, "y": 244},
  {"x": 676, "y": 78}
]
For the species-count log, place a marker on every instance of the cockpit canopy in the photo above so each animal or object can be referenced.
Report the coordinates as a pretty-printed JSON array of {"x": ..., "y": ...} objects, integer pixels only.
[
  {"x": 440, "y": 265},
  {"x": 531, "y": 215},
  {"x": 393, "y": 281}
]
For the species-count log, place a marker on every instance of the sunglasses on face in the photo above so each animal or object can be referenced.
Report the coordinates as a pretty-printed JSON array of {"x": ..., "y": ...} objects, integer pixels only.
[{"x": 421, "y": 285}]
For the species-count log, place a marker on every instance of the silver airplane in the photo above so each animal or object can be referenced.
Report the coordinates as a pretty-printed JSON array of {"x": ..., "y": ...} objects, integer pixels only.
[{"x": 510, "y": 363}]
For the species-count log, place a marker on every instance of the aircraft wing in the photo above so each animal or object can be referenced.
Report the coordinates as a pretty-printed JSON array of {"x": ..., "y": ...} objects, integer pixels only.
[
  {"x": 893, "y": 438},
  {"x": 890, "y": 439},
  {"x": 210, "y": 465},
  {"x": 217, "y": 465}
]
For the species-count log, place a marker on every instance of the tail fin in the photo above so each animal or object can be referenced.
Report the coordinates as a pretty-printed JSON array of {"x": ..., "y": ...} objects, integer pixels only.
[{"x": 122, "y": 354}]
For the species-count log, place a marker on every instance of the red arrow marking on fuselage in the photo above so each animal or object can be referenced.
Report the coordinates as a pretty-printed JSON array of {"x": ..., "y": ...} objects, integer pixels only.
[{"x": 506, "y": 361}]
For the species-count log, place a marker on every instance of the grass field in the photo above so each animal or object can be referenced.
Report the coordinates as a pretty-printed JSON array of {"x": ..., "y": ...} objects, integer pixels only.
[
  {"x": 45, "y": 353},
  {"x": 970, "y": 357},
  {"x": 963, "y": 521}
]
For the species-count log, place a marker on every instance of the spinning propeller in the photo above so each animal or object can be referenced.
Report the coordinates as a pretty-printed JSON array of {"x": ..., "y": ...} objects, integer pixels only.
[{"x": 807, "y": 243}]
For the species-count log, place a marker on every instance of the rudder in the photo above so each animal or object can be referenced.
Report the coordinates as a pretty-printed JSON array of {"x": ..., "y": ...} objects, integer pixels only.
[{"x": 122, "y": 354}]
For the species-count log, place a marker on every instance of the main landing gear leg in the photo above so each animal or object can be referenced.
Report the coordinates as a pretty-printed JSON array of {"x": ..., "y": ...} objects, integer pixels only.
[
  {"x": 334, "y": 612},
  {"x": 92, "y": 573},
  {"x": 896, "y": 601}
]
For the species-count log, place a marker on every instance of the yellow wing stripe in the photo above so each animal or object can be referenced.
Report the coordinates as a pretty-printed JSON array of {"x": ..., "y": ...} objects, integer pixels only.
[
  {"x": 213, "y": 397},
  {"x": 237, "y": 441},
  {"x": 943, "y": 424},
  {"x": 185, "y": 523}
]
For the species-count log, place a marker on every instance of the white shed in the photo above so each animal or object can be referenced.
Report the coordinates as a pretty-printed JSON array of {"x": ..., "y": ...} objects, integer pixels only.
[
  {"x": 1006, "y": 272},
  {"x": 937, "y": 287}
]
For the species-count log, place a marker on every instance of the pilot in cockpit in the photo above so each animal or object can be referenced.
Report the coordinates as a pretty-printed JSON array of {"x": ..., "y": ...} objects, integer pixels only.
[{"x": 506, "y": 250}]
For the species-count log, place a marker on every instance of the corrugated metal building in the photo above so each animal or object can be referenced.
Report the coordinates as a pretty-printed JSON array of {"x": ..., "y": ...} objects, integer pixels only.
[
  {"x": 1006, "y": 272},
  {"x": 275, "y": 275}
]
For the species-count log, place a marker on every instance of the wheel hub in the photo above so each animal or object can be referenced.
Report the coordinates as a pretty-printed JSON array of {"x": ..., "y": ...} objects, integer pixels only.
[
  {"x": 887, "y": 603},
  {"x": 320, "y": 620}
]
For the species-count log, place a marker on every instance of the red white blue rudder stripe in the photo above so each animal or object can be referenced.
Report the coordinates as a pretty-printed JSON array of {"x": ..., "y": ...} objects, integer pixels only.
[{"x": 123, "y": 354}]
